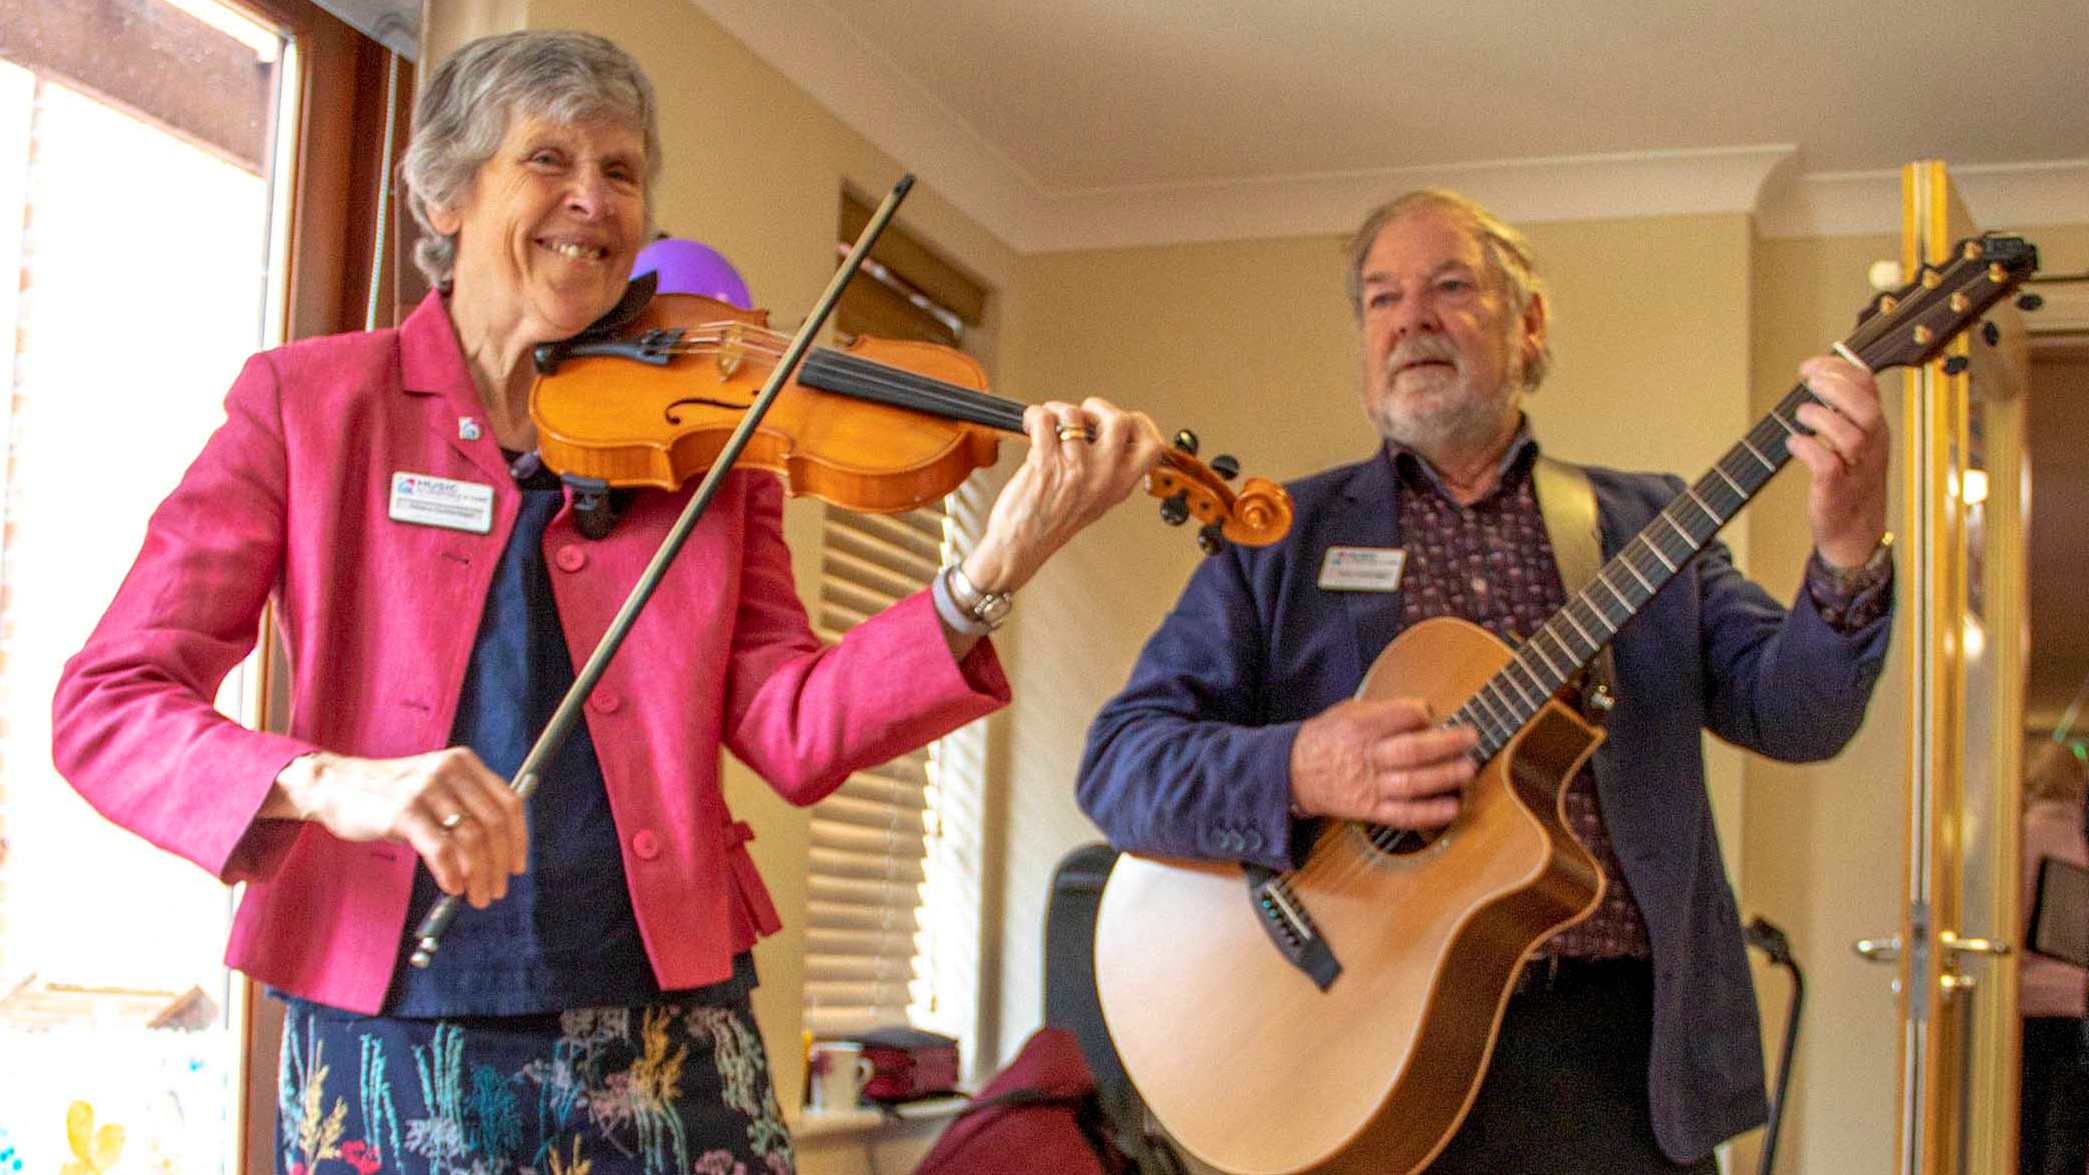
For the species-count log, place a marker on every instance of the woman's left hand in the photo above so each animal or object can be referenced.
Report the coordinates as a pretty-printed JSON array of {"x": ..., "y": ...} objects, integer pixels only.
[{"x": 1083, "y": 460}]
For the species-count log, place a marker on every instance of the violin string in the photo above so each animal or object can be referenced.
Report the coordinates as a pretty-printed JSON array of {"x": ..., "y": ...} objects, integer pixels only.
[{"x": 907, "y": 388}]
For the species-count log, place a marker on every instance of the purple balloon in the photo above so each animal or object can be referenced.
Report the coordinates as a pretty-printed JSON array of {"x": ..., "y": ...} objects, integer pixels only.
[{"x": 692, "y": 267}]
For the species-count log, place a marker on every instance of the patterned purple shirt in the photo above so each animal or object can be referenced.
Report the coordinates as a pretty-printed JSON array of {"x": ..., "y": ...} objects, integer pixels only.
[{"x": 1491, "y": 563}]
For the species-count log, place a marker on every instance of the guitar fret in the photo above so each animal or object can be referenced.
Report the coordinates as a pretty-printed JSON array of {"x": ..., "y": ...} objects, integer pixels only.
[
  {"x": 1512, "y": 719},
  {"x": 1627, "y": 561},
  {"x": 1533, "y": 646},
  {"x": 1488, "y": 728},
  {"x": 1710, "y": 513},
  {"x": 1788, "y": 426},
  {"x": 1665, "y": 561},
  {"x": 1497, "y": 705},
  {"x": 1757, "y": 454},
  {"x": 1568, "y": 612},
  {"x": 1484, "y": 712},
  {"x": 1603, "y": 577},
  {"x": 1558, "y": 636},
  {"x": 1688, "y": 540},
  {"x": 1529, "y": 703}
]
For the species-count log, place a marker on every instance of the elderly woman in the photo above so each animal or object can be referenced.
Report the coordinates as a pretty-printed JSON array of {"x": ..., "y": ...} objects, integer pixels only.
[{"x": 589, "y": 1010}]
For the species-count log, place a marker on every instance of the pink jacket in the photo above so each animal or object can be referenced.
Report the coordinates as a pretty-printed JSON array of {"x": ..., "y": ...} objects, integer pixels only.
[{"x": 290, "y": 499}]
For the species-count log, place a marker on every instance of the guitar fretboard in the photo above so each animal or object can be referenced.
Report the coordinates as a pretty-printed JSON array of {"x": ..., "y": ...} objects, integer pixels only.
[{"x": 1570, "y": 640}]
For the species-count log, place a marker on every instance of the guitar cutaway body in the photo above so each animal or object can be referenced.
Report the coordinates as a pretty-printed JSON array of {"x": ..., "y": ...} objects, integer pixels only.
[{"x": 1375, "y": 1073}]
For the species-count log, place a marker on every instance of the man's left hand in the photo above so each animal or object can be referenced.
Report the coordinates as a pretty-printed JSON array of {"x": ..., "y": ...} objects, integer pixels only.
[{"x": 1848, "y": 454}]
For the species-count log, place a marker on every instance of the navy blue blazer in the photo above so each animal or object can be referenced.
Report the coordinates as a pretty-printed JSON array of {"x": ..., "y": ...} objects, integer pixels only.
[{"x": 1192, "y": 759}]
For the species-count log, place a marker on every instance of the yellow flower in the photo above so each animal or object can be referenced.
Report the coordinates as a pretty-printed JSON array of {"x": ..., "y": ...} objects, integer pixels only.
[
  {"x": 94, "y": 1150},
  {"x": 560, "y": 1165}
]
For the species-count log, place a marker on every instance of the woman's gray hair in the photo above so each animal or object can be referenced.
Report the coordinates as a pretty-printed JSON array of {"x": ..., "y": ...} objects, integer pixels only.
[
  {"x": 464, "y": 109},
  {"x": 1507, "y": 250}
]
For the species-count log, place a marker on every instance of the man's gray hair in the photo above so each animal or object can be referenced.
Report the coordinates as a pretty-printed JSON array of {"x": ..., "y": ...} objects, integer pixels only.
[
  {"x": 1507, "y": 250},
  {"x": 464, "y": 109}
]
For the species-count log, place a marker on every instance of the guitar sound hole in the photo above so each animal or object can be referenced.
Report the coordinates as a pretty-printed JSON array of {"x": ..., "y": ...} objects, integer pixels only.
[{"x": 1401, "y": 842}]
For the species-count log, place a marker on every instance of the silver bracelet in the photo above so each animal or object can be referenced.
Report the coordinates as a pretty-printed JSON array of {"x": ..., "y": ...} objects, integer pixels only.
[{"x": 959, "y": 618}]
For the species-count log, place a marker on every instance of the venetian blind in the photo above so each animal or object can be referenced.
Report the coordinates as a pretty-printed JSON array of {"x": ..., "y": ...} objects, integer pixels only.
[
  {"x": 870, "y": 839},
  {"x": 894, "y": 928}
]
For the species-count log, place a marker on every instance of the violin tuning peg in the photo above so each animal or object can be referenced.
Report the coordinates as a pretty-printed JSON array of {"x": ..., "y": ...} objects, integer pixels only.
[
  {"x": 2030, "y": 301},
  {"x": 1226, "y": 466},
  {"x": 1186, "y": 441},
  {"x": 1990, "y": 332},
  {"x": 1210, "y": 540},
  {"x": 1175, "y": 509},
  {"x": 1955, "y": 365}
]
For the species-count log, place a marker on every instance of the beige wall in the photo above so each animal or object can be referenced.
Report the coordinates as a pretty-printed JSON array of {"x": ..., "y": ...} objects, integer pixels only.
[{"x": 1671, "y": 336}]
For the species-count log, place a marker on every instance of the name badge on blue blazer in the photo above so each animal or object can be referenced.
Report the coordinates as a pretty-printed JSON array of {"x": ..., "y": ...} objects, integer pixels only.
[{"x": 1362, "y": 569}]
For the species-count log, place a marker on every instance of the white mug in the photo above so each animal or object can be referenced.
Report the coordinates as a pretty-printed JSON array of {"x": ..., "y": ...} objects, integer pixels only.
[{"x": 839, "y": 1071}]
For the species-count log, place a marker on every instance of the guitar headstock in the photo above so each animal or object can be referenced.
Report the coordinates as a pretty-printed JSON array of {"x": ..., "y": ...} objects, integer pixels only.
[{"x": 1912, "y": 325}]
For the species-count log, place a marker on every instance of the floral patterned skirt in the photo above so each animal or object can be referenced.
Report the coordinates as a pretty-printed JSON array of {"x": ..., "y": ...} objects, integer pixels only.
[{"x": 668, "y": 1088}]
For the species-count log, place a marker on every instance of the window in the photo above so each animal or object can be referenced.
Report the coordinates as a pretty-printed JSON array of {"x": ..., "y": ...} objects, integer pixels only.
[
  {"x": 150, "y": 166},
  {"x": 894, "y": 922},
  {"x": 111, "y": 992}
]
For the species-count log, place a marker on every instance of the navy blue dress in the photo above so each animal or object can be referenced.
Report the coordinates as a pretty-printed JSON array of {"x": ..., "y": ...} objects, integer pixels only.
[{"x": 537, "y": 1040}]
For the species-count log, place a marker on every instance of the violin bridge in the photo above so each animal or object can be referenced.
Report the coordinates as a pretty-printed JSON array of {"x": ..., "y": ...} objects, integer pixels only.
[{"x": 732, "y": 352}]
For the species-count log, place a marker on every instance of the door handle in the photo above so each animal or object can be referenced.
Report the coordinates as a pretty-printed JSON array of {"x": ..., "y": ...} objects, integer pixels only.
[
  {"x": 1878, "y": 950},
  {"x": 1972, "y": 946}
]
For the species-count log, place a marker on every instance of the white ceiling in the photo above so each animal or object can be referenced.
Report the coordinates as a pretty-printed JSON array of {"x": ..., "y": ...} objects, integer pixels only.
[{"x": 1085, "y": 123}]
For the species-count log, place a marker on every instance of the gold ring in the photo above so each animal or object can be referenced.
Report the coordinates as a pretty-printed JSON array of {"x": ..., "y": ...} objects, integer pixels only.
[
  {"x": 1074, "y": 432},
  {"x": 451, "y": 821}
]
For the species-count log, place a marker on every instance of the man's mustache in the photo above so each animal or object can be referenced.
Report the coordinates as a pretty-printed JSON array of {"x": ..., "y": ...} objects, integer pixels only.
[{"x": 1422, "y": 349}]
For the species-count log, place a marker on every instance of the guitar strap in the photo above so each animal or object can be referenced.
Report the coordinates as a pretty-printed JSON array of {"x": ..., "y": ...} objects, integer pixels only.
[{"x": 1567, "y": 502}]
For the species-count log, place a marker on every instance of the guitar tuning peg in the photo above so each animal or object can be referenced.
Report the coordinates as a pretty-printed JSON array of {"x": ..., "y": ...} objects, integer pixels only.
[
  {"x": 1884, "y": 275},
  {"x": 1186, "y": 441},
  {"x": 1955, "y": 365},
  {"x": 1210, "y": 540},
  {"x": 1990, "y": 332},
  {"x": 1175, "y": 509},
  {"x": 2029, "y": 301},
  {"x": 1226, "y": 466}
]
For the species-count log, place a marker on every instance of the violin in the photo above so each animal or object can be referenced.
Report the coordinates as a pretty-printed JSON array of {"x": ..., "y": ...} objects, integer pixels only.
[{"x": 650, "y": 394}]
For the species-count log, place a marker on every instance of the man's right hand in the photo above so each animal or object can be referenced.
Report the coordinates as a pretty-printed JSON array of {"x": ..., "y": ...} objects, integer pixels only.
[
  {"x": 1381, "y": 762},
  {"x": 460, "y": 817}
]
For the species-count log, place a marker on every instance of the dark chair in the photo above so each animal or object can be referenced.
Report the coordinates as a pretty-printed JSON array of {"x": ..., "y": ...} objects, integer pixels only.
[{"x": 1072, "y": 1004}]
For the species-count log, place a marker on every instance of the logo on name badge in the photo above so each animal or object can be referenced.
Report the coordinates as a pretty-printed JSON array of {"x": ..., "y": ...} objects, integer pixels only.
[
  {"x": 1362, "y": 569},
  {"x": 446, "y": 502}
]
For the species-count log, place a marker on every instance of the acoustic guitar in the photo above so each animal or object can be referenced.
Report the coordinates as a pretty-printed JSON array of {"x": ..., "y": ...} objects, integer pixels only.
[{"x": 1339, "y": 1017}]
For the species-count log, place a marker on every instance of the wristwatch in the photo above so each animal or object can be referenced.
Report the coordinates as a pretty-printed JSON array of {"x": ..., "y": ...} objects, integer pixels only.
[
  {"x": 1851, "y": 580},
  {"x": 986, "y": 610}
]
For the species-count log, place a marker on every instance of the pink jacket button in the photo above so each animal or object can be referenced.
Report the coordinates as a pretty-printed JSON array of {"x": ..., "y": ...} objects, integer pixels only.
[
  {"x": 570, "y": 558},
  {"x": 604, "y": 701},
  {"x": 646, "y": 845}
]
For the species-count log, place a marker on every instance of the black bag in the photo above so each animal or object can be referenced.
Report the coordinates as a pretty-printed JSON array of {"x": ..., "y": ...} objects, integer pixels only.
[{"x": 1071, "y": 1003}]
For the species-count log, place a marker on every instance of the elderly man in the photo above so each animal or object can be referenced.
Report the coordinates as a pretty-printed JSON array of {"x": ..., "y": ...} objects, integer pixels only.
[{"x": 1632, "y": 1043}]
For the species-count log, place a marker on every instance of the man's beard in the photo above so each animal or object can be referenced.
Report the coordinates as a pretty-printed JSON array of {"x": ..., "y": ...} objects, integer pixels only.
[{"x": 1447, "y": 415}]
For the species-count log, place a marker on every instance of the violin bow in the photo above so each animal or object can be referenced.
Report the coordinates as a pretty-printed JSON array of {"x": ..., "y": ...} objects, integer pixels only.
[{"x": 428, "y": 936}]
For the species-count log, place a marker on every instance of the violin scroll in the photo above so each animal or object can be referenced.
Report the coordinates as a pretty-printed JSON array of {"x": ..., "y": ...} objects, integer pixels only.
[{"x": 1257, "y": 514}]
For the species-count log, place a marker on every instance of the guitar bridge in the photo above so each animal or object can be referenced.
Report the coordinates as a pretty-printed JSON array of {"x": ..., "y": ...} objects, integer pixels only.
[{"x": 1284, "y": 918}]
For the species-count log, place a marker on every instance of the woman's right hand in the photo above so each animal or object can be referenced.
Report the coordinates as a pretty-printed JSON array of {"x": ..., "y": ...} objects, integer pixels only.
[{"x": 463, "y": 820}]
